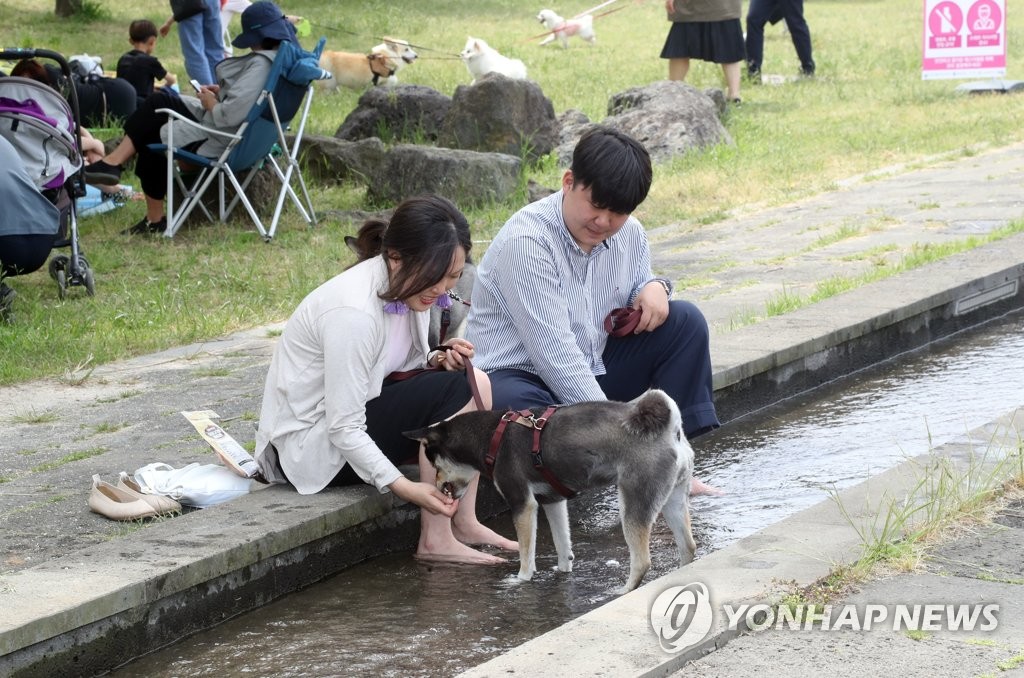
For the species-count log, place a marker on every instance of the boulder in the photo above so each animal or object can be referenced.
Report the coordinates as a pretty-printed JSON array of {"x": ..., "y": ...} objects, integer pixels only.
[
  {"x": 502, "y": 115},
  {"x": 464, "y": 177},
  {"x": 333, "y": 160},
  {"x": 410, "y": 113},
  {"x": 668, "y": 117}
]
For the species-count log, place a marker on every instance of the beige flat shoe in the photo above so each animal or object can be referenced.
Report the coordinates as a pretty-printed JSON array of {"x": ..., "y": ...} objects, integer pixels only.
[
  {"x": 117, "y": 504},
  {"x": 159, "y": 502}
]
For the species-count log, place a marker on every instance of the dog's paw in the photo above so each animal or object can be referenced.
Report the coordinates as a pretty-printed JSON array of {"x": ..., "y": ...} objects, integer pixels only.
[{"x": 525, "y": 575}]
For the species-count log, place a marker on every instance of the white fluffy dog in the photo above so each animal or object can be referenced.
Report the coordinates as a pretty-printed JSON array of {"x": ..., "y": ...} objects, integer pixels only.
[
  {"x": 481, "y": 59},
  {"x": 562, "y": 29}
]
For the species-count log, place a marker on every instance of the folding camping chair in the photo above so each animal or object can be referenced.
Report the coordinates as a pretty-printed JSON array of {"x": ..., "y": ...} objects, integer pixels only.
[{"x": 259, "y": 142}]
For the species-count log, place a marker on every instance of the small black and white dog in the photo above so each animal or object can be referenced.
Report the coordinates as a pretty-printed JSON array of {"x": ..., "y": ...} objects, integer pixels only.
[{"x": 639, "y": 446}]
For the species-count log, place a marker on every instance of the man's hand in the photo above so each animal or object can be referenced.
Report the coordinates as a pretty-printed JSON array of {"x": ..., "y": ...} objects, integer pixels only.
[{"x": 653, "y": 305}]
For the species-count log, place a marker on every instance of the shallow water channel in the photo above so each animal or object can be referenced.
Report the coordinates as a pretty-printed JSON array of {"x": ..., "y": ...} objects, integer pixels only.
[{"x": 394, "y": 616}]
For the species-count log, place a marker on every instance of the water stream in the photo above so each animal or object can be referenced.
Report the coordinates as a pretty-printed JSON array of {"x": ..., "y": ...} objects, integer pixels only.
[{"x": 395, "y": 616}]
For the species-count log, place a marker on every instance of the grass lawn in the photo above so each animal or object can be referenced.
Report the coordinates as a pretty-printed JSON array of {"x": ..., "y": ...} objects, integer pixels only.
[{"x": 867, "y": 109}]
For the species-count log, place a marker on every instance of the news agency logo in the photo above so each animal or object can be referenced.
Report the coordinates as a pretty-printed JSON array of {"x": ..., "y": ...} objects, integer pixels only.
[{"x": 682, "y": 616}]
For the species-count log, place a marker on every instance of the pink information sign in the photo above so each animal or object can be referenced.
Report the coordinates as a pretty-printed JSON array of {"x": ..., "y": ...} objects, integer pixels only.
[{"x": 964, "y": 39}]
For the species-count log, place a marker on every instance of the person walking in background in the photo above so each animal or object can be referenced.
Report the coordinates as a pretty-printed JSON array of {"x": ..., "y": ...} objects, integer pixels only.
[
  {"x": 708, "y": 30},
  {"x": 758, "y": 14},
  {"x": 202, "y": 41},
  {"x": 138, "y": 66}
]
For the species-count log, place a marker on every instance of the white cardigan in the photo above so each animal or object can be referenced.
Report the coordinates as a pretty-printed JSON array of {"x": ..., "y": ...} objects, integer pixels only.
[{"x": 327, "y": 365}]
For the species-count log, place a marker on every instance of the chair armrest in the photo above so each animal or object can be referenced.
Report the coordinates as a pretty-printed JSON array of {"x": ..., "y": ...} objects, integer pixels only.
[{"x": 192, "y": 123}]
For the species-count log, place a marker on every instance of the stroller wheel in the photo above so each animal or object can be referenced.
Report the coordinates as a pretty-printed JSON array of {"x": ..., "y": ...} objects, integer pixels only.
[
  {"x": 58, "y": 263},
  {"x": 62, "y": 283},
  {"x": 90, "y": 284}
]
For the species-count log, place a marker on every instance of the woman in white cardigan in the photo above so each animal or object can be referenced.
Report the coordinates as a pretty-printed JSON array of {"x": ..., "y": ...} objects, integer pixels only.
[{"x": 332, "y": 413}]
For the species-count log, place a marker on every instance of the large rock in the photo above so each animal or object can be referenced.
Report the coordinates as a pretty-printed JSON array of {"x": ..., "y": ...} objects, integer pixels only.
[
  {"x": 502, "y": 115},
  {"x": 334, "y": 160},
  {"x": 464, "y": 177},
  {"x": 411, "y": 113},
  {"x": 668, "y": 117}
]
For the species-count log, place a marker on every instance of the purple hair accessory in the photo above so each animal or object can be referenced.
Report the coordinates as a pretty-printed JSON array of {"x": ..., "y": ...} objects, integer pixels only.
[
  {"x": 443, "y": 301},
  {"x": 396, "y": 307}
]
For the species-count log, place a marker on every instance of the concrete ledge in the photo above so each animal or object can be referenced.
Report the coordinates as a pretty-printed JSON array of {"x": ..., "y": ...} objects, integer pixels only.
[{"x": 796, "y": 551}]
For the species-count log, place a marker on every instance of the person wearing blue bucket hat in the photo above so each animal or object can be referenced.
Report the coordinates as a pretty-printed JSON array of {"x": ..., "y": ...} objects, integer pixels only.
[
  {"x": 223, "y": 106},
  {"x": 262, "y": 21}
]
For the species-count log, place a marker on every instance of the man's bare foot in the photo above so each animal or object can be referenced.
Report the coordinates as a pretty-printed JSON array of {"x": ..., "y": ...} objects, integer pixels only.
[
  {"x": 477, "y": 533},
  {"x": 453, "y": 551},
  {"x": 697, "y": 488}
]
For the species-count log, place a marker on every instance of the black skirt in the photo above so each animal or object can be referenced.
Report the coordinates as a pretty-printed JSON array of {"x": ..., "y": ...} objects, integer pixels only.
[{"x": 719, "y": 42}]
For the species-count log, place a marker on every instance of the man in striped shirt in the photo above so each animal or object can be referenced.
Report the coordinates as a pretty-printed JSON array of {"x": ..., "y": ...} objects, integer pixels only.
[{"x": 555, "y": 271}]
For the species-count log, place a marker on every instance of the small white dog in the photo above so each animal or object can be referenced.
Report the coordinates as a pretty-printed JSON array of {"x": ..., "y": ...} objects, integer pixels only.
[
  {"x": 562, "y": 29},
  {"x": 481, "y": 59}
]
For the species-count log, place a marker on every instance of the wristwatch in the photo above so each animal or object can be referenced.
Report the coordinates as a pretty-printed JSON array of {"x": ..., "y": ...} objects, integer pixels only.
[{"x": 666, "y": 285}]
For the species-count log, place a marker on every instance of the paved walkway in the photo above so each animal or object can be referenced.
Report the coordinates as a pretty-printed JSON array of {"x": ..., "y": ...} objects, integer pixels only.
[{"x": 62, "y": 567}]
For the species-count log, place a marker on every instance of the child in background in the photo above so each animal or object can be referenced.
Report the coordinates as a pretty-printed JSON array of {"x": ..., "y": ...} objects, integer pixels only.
[{"x": 139, "y": 66}]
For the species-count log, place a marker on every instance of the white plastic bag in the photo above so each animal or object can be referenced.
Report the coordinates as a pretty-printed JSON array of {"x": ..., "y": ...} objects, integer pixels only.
[{"x": 199, "y": 485}]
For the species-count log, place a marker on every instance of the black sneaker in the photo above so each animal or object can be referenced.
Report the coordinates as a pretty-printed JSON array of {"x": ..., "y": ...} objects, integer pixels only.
[
  {"x": 754, "y": 76},
  {"x": 7, "y": 296},
  {"x": 147, "y": 227},
  {"x": 102, "y": 173}
]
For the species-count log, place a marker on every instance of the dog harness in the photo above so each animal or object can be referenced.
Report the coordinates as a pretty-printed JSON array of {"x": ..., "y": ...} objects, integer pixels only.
[
  {"x": 526, "y": 418},
  {"x": 377, "y": 76}
]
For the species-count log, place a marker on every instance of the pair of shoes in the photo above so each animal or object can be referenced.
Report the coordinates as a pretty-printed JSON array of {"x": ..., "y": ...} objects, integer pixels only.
[
  {"x": 102, "y": 173},
  {"x": 7, "y": 296},
  {"x": 120, "y": 502},
  {"x": 147, "y": 227},
  {"x": 159, "y": 502}
]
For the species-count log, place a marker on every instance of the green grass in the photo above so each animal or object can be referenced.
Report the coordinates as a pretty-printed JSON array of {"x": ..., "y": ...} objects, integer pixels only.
[
  {"x": 69, "y": 459},
  {"x": 868, "y": 109}
]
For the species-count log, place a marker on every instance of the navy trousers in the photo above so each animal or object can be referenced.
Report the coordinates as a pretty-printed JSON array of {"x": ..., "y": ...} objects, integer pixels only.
[
  {"x": 759, "y": 13},
  {"x": 674, "y": 358}
]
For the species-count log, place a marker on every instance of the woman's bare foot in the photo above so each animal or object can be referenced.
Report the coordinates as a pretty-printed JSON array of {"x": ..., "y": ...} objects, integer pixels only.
[
  {"x": 476, "y": 533},
  {"x": 453, "y": 551},
  {"x": 698, "y": 488}
]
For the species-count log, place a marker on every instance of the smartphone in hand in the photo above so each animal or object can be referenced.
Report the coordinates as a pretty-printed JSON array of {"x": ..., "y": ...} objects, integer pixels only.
[{"x": 195, "y": 84}]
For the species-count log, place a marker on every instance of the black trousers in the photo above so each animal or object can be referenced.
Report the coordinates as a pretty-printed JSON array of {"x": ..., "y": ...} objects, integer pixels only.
[
  {"x": 143, "y": 128},
  {"x": 759, "y": 13}
]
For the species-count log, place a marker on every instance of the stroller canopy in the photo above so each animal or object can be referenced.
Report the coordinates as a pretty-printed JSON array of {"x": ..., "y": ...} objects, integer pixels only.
[{"x": 38, "y": 122}]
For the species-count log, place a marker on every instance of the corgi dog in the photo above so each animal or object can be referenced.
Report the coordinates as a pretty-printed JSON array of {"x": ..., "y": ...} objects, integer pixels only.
[
  {"x": 359, "y": 71},
  {"x": 481, "y": 59},
  {"x": 562, "y": 29}
]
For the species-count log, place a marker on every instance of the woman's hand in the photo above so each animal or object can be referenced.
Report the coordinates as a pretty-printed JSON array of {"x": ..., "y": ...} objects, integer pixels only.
[
  {"x": 454, "y": 356},
  {"x": 426, "y": 496}
]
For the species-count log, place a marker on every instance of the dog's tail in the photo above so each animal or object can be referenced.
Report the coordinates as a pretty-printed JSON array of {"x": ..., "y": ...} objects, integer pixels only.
[{"x": 649, "y": 414}]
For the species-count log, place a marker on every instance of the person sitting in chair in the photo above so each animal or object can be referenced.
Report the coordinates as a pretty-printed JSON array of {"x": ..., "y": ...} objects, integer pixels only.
[{"x": 223, "y": 106}]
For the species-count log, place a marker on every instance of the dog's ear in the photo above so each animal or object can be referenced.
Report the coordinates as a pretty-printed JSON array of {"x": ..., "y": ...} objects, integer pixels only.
[
  {"x": 649, "y": 415},
  {"x": 429, "y": 435},
  {"x": 352, "y": 244}
]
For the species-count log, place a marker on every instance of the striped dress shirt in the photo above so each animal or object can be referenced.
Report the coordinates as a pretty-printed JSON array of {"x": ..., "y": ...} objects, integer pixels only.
[{"x": 539, "y": 301}]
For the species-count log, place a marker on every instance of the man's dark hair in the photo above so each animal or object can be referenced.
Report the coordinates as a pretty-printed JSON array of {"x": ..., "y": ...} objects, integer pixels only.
[
  {"x": 423, "y": 233},
  {"x": 141, "y": 30},
  {"x": 614, "y": 166}
]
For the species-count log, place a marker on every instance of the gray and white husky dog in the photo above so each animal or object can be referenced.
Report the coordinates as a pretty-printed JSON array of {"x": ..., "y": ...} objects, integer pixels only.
[{"x": 639, "y": 446}]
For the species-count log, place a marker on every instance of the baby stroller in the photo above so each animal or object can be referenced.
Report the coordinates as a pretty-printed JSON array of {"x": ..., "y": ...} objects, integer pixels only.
[{"x": 44, "y": 129}]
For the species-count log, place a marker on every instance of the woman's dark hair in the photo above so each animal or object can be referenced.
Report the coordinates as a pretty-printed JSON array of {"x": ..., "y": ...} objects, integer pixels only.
[
  {"x": 614, "y": 166},
  {"x": 423, "y": 233},
  {"x": 30, "y": 68}
]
